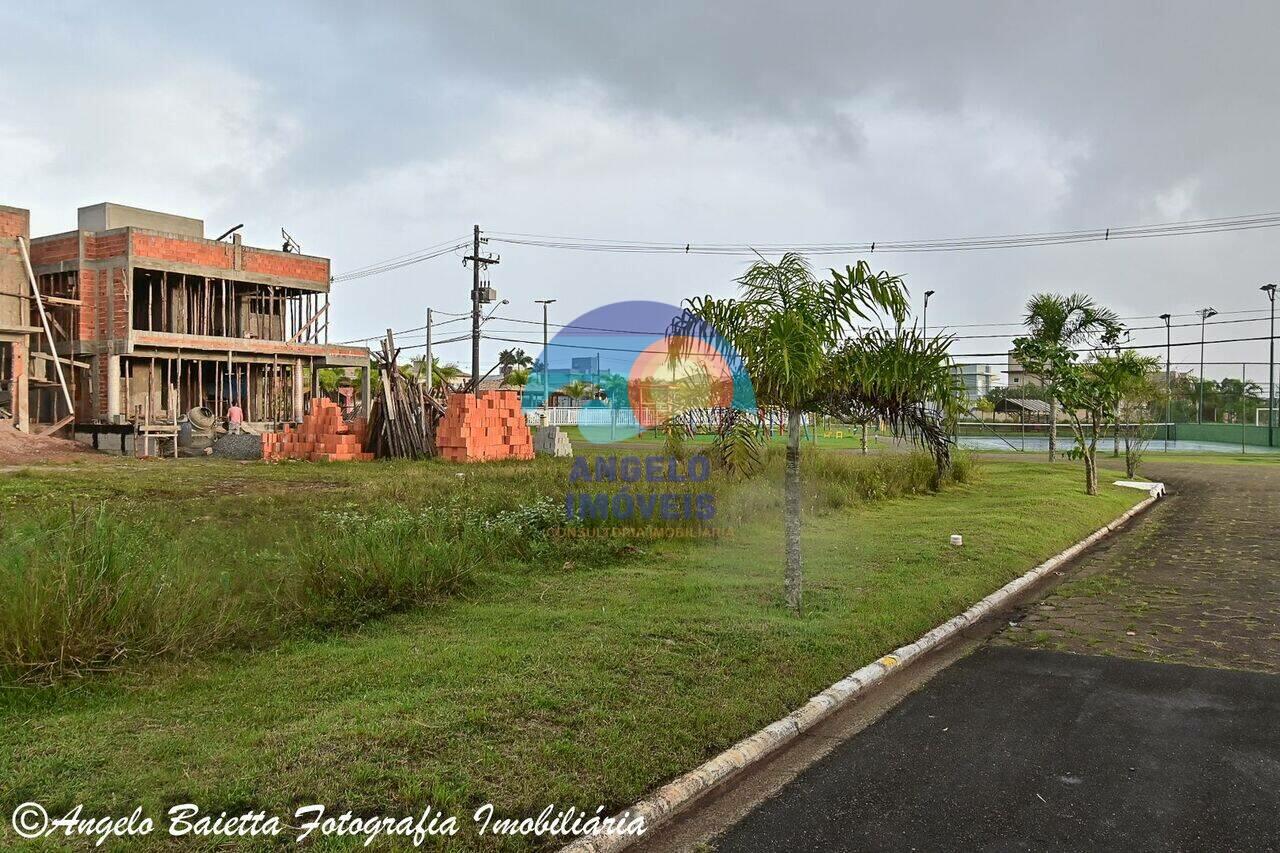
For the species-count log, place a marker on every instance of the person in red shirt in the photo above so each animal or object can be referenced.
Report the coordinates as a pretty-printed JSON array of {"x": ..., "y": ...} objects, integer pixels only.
[{"x": 235, "y": 417}]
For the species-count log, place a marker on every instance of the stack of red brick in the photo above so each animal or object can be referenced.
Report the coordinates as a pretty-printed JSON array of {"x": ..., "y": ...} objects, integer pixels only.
[
  {"x": 322, "y": 436},
  {"x": 484, "y": 429}
]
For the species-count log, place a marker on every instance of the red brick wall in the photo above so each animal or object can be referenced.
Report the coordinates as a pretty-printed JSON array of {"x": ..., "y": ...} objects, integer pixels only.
[
  {"x": 207, "y": 254},
  {"x": 89, "y": 302},
  {"x": 96, "y": 324},
  {"x": 120, "y": 306},
  {"x": 292, "y": 266},
  {"x": 108, "y": 246},
  {"x": 15, "y": 223},
  {"x": 52, "y": 250},
  {"x": 222, "y": 256}
]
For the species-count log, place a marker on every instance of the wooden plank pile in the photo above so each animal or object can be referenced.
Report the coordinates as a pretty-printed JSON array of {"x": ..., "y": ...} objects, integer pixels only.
[
  {"x": 485, "y": 428},
  {"x": 402, "y": 419},
  {"x": 323, "y": 436}
]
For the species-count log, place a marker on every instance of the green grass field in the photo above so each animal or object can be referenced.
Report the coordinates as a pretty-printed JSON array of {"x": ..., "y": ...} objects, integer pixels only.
[{"x": 581, "y": 678}]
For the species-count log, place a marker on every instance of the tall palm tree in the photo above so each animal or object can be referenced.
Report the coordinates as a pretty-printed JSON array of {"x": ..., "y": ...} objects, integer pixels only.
[
  {"x": 615, "y": 387},
  {"x": 1066, "y": 321},
  {"x": 577, "y": 390},
  {"x": 795, "y": 337},
  {"x": 513, "y": 359}
]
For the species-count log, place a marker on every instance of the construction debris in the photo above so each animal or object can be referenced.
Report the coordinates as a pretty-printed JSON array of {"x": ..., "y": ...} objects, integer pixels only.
[
  {"x": 323, "y": 436},
  {"x": 485, "y": 428},
  {"x": 402, "y": 421}
]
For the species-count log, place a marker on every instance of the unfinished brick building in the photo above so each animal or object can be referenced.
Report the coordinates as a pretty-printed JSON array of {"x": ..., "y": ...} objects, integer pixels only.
[{"x": 150, "y": 319}]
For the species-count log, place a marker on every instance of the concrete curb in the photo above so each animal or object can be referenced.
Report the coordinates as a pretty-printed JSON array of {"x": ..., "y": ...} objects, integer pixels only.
[{"x": 672, "y": 798}]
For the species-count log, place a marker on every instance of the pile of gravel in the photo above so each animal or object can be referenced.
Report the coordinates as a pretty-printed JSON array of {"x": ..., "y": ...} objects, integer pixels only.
[{"x": 242, "y": 446}]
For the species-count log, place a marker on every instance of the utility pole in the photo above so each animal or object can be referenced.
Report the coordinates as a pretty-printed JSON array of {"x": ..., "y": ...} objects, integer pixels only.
[
  {"x": 1270, "y": 290},
  {"x": 476, "y": 263},
  {"x": 1205, "y": 314},
  {"x": 1168, "y": 379},
  {"x": 430, "y": 371},
  {"x": 924, "y": 324},
  {"x": 546, "y": 355}
]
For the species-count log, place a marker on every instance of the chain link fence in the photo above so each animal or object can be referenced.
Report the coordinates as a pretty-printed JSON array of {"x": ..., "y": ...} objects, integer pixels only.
[{"x": 1222, "y": 406}]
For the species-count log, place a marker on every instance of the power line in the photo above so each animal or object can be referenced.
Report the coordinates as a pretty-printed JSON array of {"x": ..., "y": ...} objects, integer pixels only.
[
  {"x": 1008, "y": 241},
  {"x": 1245, "y": 222},
  {"x": 457, "y": 319},
  {"x": 953, "y": 337},
  {"x": 1002, "y": 354},
  {"x": 399, "y": 262}
]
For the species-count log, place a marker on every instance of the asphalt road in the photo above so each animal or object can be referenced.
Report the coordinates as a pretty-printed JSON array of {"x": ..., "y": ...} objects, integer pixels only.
[
  {"x": 1017, "y": 749},
  {"x": 1085, "y": 726}
]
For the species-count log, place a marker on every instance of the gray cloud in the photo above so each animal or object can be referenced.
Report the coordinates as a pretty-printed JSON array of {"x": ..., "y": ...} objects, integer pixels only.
[{"x": 372, "y": 132}]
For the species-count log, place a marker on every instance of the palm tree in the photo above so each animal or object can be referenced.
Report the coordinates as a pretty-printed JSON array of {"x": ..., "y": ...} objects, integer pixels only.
[
  {"x": 1066, "y": 321},
  {"x": 513, "y": 359},
  {"x": 442, "y": 375},
  {"x": 1235, "y": 395},
  {"x": 518, "y": 377},
  {"x": 794, "y": 336},
  {"x": 614, "y": 386},
  {"x": 577, "y": 390}
]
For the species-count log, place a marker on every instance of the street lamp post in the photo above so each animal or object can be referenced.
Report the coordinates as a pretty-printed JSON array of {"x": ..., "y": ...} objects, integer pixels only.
[
  {"x": 1205, "y": 314},
  {"x": 924, "y": 323},
  {"x": 1168, "y": 379},
  {"x": 546, "y": 355},
  {"x": 1270, "y": 290}
]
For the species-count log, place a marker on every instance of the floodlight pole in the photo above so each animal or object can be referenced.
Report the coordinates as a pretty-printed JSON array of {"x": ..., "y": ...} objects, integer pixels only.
[
  {"x": 1205, "y": 314},
  {"x": 1270, "y": 290},
  {"x": 1168, "y": 378}
]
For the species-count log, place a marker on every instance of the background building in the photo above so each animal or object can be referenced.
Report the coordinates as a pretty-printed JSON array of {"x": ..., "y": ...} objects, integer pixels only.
[
  {"x": 150, "y": 319},
  {"x": 978, "y": 379}
]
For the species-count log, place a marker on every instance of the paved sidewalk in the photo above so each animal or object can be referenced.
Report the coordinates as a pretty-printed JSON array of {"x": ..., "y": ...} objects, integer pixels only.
[
  {"x": 1116, "y": 744},
  {"x": 1197, "y": 581}
]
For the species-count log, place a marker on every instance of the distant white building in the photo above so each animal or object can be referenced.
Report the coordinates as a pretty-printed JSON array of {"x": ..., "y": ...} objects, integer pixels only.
[
  {"x": 977, "y": 379},
  {"x": 1018, "y": 377}
]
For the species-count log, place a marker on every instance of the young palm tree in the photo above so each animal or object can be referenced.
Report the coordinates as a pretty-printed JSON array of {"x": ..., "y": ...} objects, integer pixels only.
[
  {"x": 1066, "y": 321},
  {"x": 518, "y": 377},
  {"x": 442, "y": 375},
  {"x": 795, "y": 338}
]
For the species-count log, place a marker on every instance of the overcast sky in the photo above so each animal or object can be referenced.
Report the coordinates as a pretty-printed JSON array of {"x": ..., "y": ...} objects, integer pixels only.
[{"x": 369, "y": 134}]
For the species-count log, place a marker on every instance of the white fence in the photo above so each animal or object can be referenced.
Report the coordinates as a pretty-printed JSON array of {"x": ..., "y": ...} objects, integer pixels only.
[
  {"x": 703, "y": 420},
  {"x": 576, "y": 415}
]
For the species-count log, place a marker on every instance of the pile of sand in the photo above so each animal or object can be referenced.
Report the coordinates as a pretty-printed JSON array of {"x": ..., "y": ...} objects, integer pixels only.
[{"x": 18, "y": 447}]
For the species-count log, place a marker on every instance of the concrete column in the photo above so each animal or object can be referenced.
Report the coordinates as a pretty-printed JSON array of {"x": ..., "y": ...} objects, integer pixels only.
[
  {"x": 113, "y": 388},
  {"x": 366, "y": 390},
  {"x": 297, "y": 390}
]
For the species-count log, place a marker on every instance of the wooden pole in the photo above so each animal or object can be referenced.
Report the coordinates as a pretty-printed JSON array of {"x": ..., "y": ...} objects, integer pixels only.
[{"x": 44, "y": 321}]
